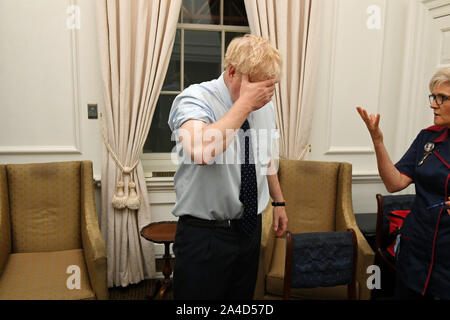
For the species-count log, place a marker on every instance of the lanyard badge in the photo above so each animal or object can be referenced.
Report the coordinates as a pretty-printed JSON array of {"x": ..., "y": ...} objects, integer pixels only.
[{"x": 429, "y": 147}]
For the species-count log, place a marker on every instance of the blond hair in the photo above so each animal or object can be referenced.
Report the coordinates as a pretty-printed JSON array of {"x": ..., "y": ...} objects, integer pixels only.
[
  {"x": 255, "y": 57},
  {"x": 440, "y": 77}
]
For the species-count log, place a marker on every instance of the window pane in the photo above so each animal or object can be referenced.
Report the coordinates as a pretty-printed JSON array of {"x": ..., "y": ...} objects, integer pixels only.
[
  {"x": 230, "y": 36},
  {"x": 201, "y": 11},
  {"x": 202, "y": 56},
  {"x": 173, "y": 78},
  {"x": 234, "y": 13},
  {"x": 159, "y": 138}
]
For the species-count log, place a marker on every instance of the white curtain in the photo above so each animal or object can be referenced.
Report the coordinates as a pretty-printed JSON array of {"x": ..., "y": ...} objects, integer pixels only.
[
  {"x": 135, "y": 42},
  {"x": 293, "y": 27}
]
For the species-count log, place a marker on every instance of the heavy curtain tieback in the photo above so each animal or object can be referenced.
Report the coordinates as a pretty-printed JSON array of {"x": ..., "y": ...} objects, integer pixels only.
[{"x": 120, "y": 200}]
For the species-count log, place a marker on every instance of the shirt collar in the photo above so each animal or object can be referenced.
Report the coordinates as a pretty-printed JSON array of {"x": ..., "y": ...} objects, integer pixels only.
[
  {"x": 442, "y": 137},
  {"x": 442, "y": 130}
]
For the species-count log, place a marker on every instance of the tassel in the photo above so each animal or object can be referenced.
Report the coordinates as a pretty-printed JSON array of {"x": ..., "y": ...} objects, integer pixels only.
[
  {"x": 119, "y": 199},
  {"x": 133, "y": 201}
]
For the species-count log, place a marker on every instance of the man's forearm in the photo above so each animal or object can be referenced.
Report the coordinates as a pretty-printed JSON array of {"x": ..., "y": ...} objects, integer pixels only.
[
  {"x": 274, "y": 186},
  {"x": 280, "y": 219},
  {"x": 229, "y": 124},
  {"x": 205, "y": 142},
  {"x": 212, "y": 140}
]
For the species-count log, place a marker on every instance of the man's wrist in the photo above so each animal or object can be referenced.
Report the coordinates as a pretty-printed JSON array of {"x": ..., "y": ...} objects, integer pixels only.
[
  {"x": 278, "y": 203},
  {"x": 244, "y": 106}
]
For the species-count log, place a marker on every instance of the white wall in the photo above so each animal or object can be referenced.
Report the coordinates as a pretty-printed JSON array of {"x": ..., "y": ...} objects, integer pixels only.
[
  {"x": 386, "y": 71},
  {"x": 49, "y": 73}
]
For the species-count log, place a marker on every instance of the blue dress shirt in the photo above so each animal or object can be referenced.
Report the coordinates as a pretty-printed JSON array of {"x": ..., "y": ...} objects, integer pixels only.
[{"x": 212, "y": 191}]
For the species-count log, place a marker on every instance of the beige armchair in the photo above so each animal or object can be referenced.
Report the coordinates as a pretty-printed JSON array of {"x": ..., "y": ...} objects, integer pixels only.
[
  {"x": 318, "y": 199},
  {"x": 49, "y": 233}
]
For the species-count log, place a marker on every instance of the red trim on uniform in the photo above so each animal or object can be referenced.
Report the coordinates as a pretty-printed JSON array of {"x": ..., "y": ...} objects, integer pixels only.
[
  {"x": 435, "y": 128},
  {"x": 406, "y": 175},
  {"x": 442, "y": 159},
  {"x": 442, "y": 137},
  {"x": 434, "y": 240}
]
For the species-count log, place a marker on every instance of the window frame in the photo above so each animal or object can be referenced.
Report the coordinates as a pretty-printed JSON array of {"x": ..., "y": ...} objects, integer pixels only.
[{"x": 161, "y": 162}]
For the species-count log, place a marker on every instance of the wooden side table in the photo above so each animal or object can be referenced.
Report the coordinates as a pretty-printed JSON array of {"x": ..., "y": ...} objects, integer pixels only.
[{"x": 162, "y": 232}]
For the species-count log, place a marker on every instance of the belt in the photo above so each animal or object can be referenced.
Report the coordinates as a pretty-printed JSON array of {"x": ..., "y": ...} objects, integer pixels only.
[{"x": 197, "y": 222}]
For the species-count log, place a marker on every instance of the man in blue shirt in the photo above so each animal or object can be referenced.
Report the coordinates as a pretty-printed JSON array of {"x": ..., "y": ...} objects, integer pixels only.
[{"x": 227, "y": 175}]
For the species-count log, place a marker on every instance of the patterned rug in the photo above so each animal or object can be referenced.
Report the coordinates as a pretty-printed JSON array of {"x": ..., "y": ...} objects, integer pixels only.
[{"x": 145, "y": 290}]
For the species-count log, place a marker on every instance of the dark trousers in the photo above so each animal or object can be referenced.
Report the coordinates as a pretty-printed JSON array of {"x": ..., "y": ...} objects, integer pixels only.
[
  {"x": 214, "y": 263},
  {"x": 403, "y": 292}
]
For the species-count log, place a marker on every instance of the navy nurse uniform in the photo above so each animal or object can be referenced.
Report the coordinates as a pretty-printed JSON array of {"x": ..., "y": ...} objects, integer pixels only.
[{"x": 423, "y": 258}]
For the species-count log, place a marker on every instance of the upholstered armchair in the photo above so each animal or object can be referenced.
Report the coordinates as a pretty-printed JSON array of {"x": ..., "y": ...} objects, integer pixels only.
[
  {"x": 318, "y": 199},
  {"x": 50, "y": 240}
]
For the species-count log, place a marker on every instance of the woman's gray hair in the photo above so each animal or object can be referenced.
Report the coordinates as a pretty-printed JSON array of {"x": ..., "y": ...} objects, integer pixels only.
[{"x": 440, "y": 77}]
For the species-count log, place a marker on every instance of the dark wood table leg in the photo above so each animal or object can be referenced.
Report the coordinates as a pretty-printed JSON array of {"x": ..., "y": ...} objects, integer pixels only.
[
  {"x": 167, "y": 271},
  {"x": 155, "y": 290}
]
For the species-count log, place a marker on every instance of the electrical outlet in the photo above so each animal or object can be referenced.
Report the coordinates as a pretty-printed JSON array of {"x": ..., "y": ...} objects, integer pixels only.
[{"x": 92, "y": 111}]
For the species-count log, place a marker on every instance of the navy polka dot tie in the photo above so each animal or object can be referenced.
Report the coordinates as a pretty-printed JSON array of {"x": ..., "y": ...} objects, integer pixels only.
[{"x": 249, "y": 191}]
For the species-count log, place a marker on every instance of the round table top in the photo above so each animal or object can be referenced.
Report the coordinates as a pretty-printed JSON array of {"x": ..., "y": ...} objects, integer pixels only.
[{"x": 160, "y": 232}]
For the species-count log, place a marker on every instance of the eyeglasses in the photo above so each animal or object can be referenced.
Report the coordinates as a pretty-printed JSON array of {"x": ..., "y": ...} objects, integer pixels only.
[{"x": 438, "y": 98}]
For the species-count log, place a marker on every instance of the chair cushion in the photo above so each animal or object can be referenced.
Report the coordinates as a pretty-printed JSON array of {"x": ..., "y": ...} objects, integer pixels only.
[
  {"x": 42, "y": 276},
  {"x": 321, "y": 259},
  {"x": 45, "y": 206},
  {"x": 275, "y": 280},
  {"x": 310, "y": 190}
]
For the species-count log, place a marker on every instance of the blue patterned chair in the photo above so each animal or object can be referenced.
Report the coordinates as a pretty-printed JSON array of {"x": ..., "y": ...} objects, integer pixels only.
[{"x": 320, "y": 259}]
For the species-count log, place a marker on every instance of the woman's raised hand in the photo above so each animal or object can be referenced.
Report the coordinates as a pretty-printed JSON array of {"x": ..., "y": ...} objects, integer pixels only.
[{"x": 372, "y": 122}]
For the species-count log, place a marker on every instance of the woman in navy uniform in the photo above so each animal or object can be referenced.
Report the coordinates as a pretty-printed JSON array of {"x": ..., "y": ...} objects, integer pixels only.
[{"x": 423, "y": 253}]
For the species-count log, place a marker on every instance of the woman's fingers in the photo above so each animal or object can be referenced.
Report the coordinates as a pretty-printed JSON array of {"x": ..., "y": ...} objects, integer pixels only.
[
  {"x": 377, "y": 120},
  {"x": 371, "y": 121},
  {"x": 365, "y": 117},
  {"x": 360, "y": 111},
  {"x": 362, "y": 114}
]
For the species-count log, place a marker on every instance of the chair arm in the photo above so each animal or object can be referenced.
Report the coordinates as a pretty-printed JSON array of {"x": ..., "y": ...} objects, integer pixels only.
[
  {"x": 5, "y": 225},
  {"x": 93, "y": 244},
  {"x": 366, "y": 255},
  {"x": 345, "y": 219},
  {"x": 266, "y": 251},
  {"x": 366, "y": 258}
]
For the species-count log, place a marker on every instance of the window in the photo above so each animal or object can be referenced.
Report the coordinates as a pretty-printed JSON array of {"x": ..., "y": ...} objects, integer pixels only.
[{"x": 204, "y": 30}]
